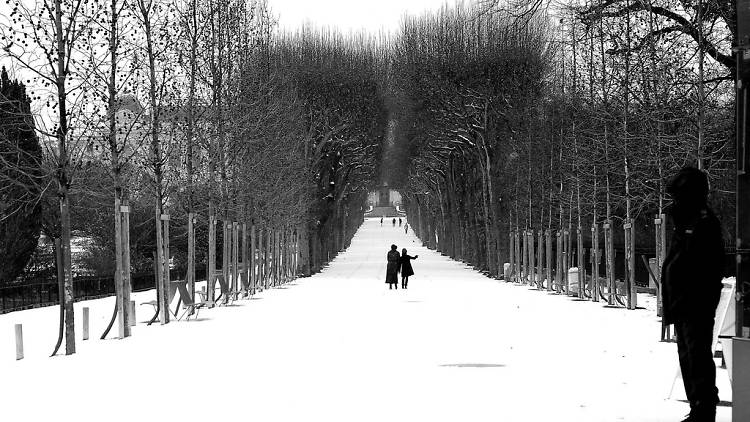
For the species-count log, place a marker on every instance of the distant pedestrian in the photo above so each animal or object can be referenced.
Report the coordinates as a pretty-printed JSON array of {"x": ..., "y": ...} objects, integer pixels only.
[
  {"x": 394, "y": 222},
  {"x": 381, "y": 221},
  {"x": 406, "y": 269},
  {"x": 391, "y": 272},
  {"x": 406, "y": 228},
  {"x": 399, "y": 221},
  {"x": 691, "y": 276}
]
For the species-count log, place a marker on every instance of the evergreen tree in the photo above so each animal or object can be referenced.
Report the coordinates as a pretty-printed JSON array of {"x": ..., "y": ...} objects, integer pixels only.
[{"x": 20, "y": 175}]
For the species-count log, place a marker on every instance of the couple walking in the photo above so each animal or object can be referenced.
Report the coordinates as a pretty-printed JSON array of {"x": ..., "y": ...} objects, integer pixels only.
[{"x": 398, "y": 263}]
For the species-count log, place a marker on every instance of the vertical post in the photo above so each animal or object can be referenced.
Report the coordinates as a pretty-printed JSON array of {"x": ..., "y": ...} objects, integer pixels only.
[
  {"x": 268, "y": 258},
  {"x": 525, "y": 257},
  {"x": 581, "y": 264},
  {"x": 519, "y": 269},
  {"x": 559, "y": 264},
  {"x": 127, "y": 286},
  {"x": 85, "y": 323},
  {"x": 120, "y": 303},
  {"x": 566, "y": 260},
  {"x": 253, "y": 260},
  {"x": 211, "y": 271},
  {"x": 19, "y": 342},
  {"x": 548, "y": 264},
  {"x": 609, "y": 265},
  {"x": 245, "y": 261},
  {"x": 595, "y": 262},
  {"x": 540, "y": 258},
  {"x": 532, "y": 263},
  {"x": 630, "y": 286},
  {"x": 511, "y": 261},
  {"x": 225, "y": 256},
  {"x": 131, "y": 316},
  {"x": 164, "y": 311},
  {"x": 191, "y": 255},
  {"x": 742, "y": 228},
  {"x": 235, "y": 259}
]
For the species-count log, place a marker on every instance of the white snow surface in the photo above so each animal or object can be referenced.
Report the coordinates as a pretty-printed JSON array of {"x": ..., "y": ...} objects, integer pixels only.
[{"x": 340, "y": 346}]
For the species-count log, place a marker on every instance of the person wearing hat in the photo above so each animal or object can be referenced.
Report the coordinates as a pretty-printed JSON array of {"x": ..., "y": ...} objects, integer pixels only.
[{"x": 691, "y": 286}]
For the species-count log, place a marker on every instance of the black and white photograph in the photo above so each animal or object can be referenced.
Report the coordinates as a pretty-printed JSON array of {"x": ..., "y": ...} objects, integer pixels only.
[{"x": 375, "y": 210}]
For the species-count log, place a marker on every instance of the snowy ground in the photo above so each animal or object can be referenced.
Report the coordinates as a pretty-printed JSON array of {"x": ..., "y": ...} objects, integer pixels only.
[{"x": 339, "y": 346}]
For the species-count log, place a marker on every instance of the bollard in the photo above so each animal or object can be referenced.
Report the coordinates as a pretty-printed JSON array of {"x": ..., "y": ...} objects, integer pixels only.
[
  {"x": 19, "y": 342},
  {"x": 132, "y": 313},
  {"x": 85, "y": 323}
]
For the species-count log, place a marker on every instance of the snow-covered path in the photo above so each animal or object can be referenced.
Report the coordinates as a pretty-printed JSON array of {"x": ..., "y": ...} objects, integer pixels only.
[{"x": 339, "y": 346}]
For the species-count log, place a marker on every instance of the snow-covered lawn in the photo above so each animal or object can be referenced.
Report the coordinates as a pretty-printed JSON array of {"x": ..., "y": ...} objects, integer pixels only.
[{"x": 339, "y": 346}]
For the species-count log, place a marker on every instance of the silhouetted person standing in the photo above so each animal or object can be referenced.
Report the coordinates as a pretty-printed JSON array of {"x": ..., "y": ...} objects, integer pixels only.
[
  {"x": 406, "y": 269},
  {"x": 394, "y": 222},
  {"x": 406, "y": 228},
  {"x": 391, "y": 272},
  {"x": 381, "y": 221},
  {"x": 691, "y": 280},
  {"x": 399, "y": 222}
]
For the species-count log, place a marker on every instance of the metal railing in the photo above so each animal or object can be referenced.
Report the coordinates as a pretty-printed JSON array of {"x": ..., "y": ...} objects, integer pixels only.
[{"x": 27, "y": 295}]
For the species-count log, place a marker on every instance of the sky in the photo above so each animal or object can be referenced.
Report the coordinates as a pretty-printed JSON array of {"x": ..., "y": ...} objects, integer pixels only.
[{"x": 371, "y": 15}]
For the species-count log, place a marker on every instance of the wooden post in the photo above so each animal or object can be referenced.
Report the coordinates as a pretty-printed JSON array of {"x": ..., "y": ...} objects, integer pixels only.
[
  {"x": 548, "y": 265},
  {"x": 268, "y": 258},
  {"x": 245, "y": 261},
  {"x": 127, "y": 287},
  {"x": 167, "y": 279},
  {"x": 559, "y": 267},
  {"x": 630, "y": 287},
  {"x": 566, "y": 260},
  {"x": 225, "y": 256},
  {"x": 595, "y": 262},
  {"x": 210, "y": 273},
  {"x": 190, "y": 278},
  {"x": 131, "y": 316},
  {"x": 253, "y": 260},
  {"x": 19, "y": 342},
  {"x": 235, "y": 259},
  {"x": 540, "y": 258},
  {"x": 525, "y": 257},
  {"x": 120, "y": 303},
  {"x": 660, "y": 229},
  {"x": 519, "y": 269},
  {"x": 581, "y": 264},
  {"x": 532, "y": 263},
  {"x": 85, "y": 323},
  {"x": 511, "y": 261},
  {"x": 609, "y": 263}
]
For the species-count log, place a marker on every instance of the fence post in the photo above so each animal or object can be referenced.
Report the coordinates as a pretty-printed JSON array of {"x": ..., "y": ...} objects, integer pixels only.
[
  {"x": 19, "y": 342},
  {"x": 85, "y": 323}
]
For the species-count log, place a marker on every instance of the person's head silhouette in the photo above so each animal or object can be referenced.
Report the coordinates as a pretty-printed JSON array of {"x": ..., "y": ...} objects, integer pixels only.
[{"x": 394, "y": 247}]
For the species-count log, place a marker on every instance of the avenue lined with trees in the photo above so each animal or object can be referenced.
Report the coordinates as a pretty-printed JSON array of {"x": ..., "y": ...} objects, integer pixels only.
[{"x": 186, "y": 139}]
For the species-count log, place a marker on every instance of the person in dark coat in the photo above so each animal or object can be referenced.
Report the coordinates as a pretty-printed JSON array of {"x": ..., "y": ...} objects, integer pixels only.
[
  {"x": 691, "y": 286},
  {"x": 406, "y": 269},
  {"x": 394, "y": 222},
  {"x": 400, "y": 222},
  {"x": 391, "y": 272},
  {"x": 381, "y": 221}
]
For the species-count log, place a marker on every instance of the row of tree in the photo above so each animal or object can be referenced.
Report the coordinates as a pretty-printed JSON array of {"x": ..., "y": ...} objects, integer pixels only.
[
  {"x": 524, "y": 116},
  {"x": 180, "y": 109}
]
